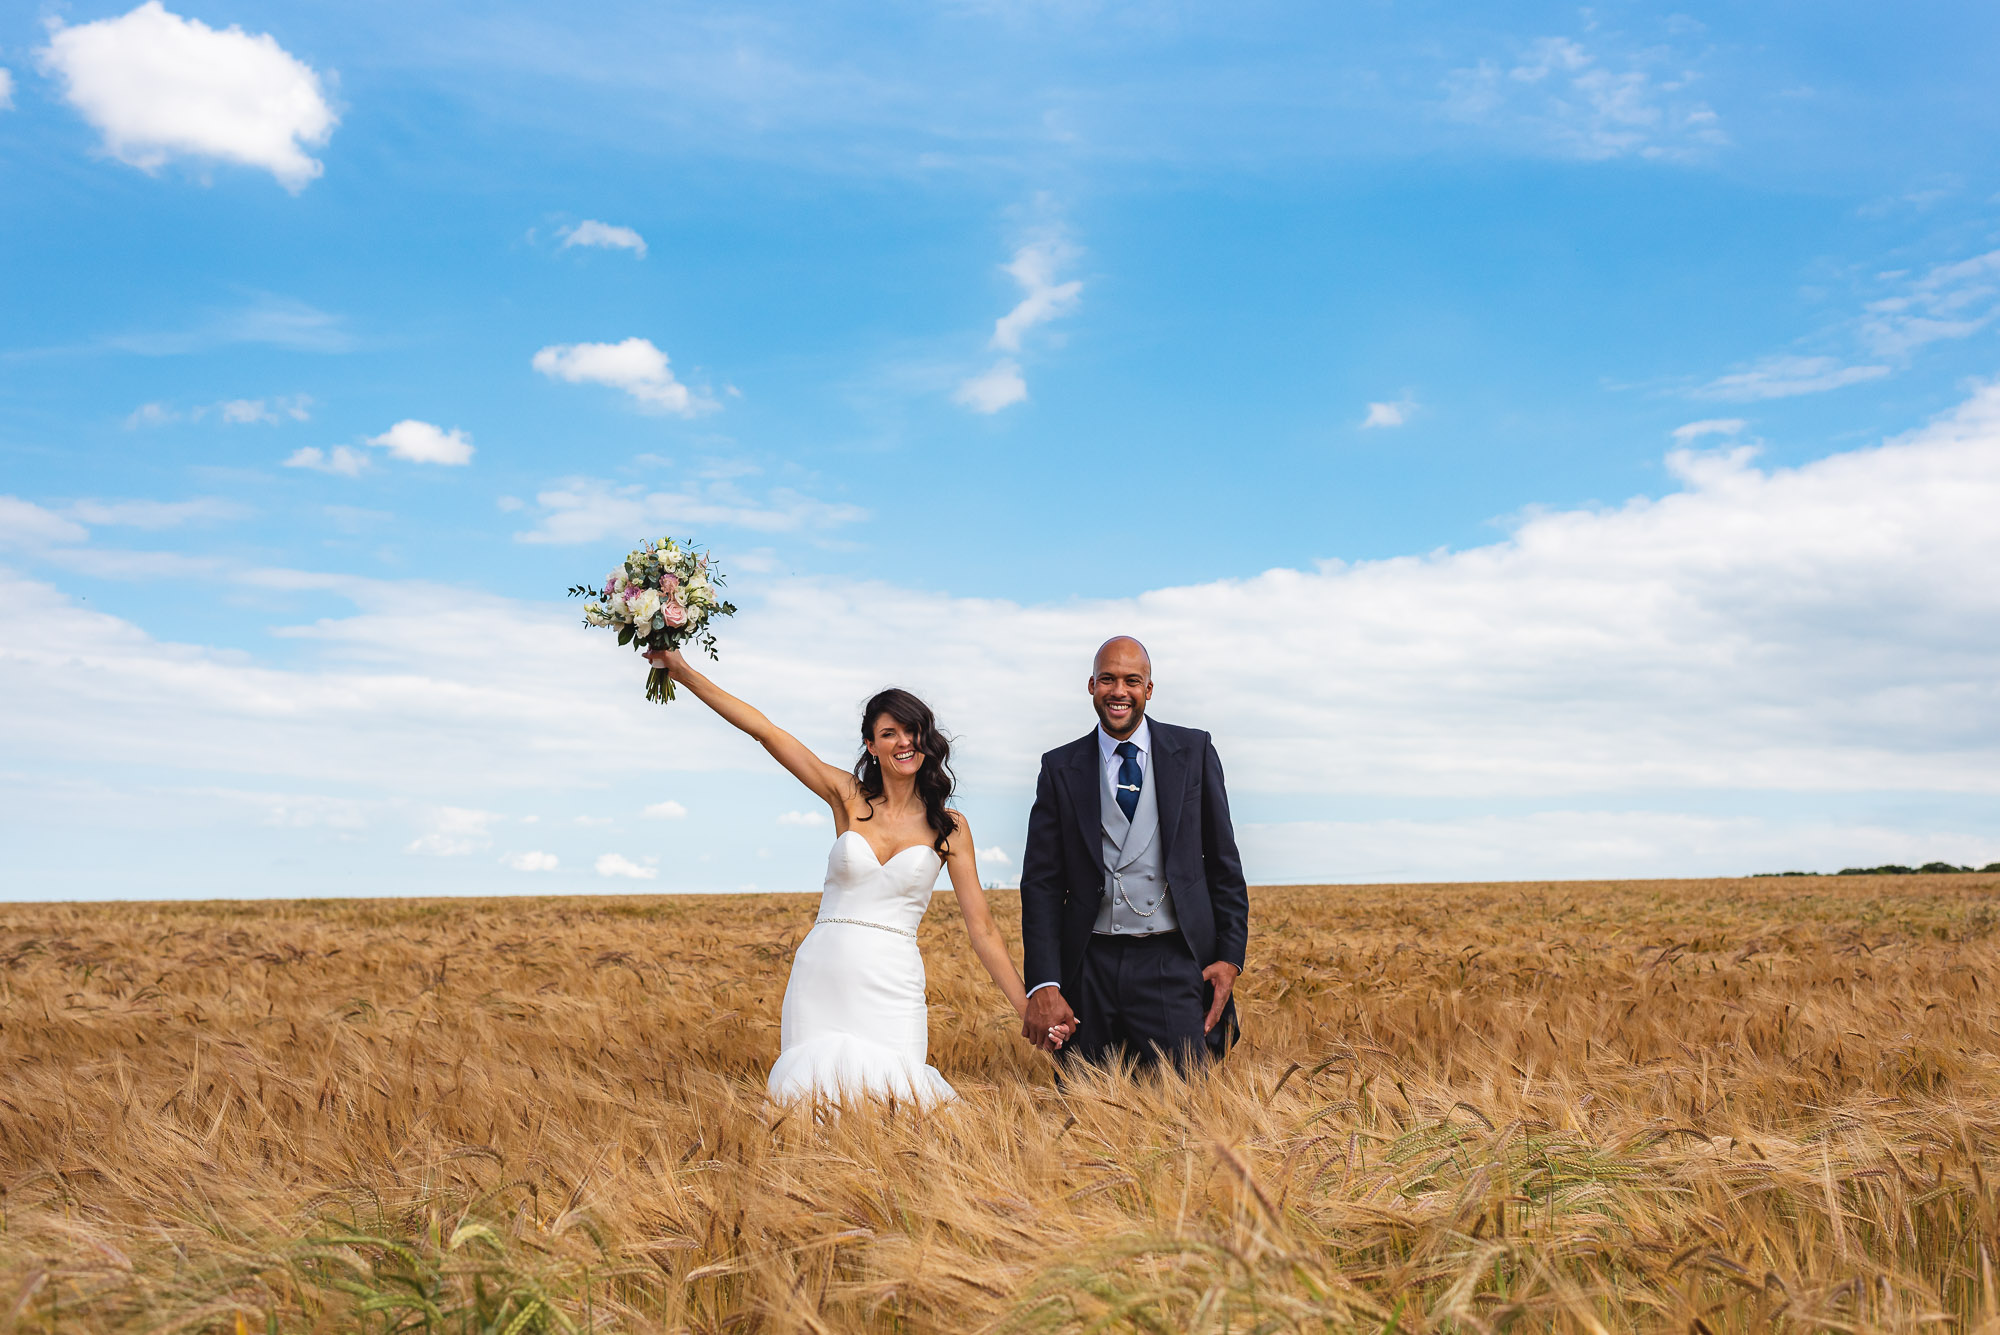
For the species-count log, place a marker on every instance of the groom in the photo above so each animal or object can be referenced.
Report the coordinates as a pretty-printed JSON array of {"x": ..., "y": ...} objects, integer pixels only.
[{"x": 1134, "y": 913}]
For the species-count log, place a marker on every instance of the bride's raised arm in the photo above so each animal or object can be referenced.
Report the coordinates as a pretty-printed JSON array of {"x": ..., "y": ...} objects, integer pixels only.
[
  {"x": 833, "y": 784},
  {"x": 979, "y": 925}
]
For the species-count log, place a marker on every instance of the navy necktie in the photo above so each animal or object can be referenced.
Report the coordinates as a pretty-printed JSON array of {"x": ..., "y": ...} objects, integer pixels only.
[{"x": 1130, "y": 778}]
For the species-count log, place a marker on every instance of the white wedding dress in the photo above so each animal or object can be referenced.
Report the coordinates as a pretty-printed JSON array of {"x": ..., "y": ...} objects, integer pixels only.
[{"x": 855, "y": 1024}]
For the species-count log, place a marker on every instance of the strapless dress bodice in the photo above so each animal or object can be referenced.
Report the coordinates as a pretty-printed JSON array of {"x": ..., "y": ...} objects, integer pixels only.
[{"x": 892, "y": 894}]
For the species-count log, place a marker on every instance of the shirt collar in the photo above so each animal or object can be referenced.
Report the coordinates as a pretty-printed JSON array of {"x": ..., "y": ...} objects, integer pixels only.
[{"x": 1107, "y": 745}]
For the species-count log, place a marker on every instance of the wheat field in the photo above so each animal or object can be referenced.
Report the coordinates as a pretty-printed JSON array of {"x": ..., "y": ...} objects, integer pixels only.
[{"x": 1692, "y": 1106}]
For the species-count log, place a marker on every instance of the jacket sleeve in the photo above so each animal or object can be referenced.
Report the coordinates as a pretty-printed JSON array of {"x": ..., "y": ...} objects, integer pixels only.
[
  {"x": 1227, "y": 891},
  {"x": 1042, "y": 888}
]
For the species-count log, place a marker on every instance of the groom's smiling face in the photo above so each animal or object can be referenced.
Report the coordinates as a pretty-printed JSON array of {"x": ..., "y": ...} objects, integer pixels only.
[{"x": 1121, "y": 682}]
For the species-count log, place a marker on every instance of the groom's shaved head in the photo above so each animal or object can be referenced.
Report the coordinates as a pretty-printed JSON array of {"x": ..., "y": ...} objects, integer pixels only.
[{"x": 1117, "y": 647}]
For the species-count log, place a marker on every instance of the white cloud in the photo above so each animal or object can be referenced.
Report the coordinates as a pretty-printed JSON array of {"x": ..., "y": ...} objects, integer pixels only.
[
  {"x": 1712, "y": 426},
  {"x": 6, "y": 90},
  {"x": 1784, "y": 377},
  {"x": 994, "y": 388},
  {"x": 158, "y": 86},
  {"x": 1593, "y": 104},
  {"x": 25, "y": 524},
  {"x": 1389, "y": 414},
  {"x": 1043, "y": 298},
  {"x": 455, "y": 832},
  {"x": 804, "y": 819},
  {"x": 1799, "y": 631},
  {"x": 995, "y": 856},
  {"x": 534, "y": 861},
  {"x": 635, "y": 366},
  {"x": 587, "y": 509},
  {"x": 614, "y": 864},
  {"x": 665, "y": 811},
  {"x": 340, "y": 459},
  {"x": 588, "y": 233},
  {"x": 421, "y": 443}
]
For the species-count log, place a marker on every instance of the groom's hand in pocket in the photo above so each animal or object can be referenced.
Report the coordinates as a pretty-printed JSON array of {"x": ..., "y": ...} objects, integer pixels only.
[
  {"x": 1046, "y": 1010},
  {"x": 1222, "y": 977}
]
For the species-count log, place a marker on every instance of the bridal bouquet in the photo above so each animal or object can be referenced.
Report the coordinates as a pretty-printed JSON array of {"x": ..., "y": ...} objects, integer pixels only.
[{"x": 662, "y": 597}]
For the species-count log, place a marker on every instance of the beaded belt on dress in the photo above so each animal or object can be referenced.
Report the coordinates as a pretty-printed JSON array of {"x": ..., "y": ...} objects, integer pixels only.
[{"x": 860, "y": 922}]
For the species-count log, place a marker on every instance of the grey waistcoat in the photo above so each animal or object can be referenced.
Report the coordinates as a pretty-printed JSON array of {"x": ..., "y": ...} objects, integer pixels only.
[{"x": 1135, "y": 880}]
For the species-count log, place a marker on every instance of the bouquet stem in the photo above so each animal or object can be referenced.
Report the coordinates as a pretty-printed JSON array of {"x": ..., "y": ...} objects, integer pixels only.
[{"x": 659, "y": 686}]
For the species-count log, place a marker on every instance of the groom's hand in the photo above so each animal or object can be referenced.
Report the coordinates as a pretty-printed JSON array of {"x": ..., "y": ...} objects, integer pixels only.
[
  {"x": 1222, "y": 976},
  {"x": 1046, "y": 1011}
]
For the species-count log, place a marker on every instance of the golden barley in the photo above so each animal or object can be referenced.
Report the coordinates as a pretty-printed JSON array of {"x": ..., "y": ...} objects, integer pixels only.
[{"x": 1692, "y": 1106}]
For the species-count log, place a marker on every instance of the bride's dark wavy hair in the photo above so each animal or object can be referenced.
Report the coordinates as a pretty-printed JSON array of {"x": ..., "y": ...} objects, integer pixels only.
[{"x": 934, "y": 777}]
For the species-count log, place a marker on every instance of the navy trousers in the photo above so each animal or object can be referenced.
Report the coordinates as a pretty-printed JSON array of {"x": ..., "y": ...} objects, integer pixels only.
[{"x": 1142, "y": 998}]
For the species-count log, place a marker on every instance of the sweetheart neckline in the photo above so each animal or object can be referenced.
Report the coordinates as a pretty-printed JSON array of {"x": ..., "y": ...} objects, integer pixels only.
[{"x": 871, "y": 848}]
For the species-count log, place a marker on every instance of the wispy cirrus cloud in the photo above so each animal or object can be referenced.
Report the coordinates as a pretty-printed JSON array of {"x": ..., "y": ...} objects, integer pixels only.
[
  {"x": 1785, "y": 376},
  {"x": 1902, "y": 313},
  {"x": 32, "y": 525},
  {"x": 590, "y": 509},
  {"x": 1044, "y": 297},
  {"x": 269, "y": 320},
  {"x": 230, "y": 412},
  {"x": 1597, "y": 96}
]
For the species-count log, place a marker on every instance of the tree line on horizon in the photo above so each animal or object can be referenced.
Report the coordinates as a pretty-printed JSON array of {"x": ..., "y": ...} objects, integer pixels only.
[{"x": 1892, "y": 869}]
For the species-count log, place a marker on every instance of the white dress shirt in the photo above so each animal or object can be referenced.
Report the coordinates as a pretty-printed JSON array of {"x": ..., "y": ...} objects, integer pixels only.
[{"x": 1107, "y": 749}]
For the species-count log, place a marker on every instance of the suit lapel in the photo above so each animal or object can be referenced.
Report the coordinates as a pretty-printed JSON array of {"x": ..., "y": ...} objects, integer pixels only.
[
  {"x": 1086, "y": 780},
  {"x": 1170, "y": 776}
]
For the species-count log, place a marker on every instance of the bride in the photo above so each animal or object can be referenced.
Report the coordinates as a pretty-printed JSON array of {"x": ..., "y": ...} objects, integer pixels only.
[{"x": 854, "y": 1019}]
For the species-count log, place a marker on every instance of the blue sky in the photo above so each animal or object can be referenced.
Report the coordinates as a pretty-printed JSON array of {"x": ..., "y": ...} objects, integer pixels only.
[{"x": 1481, "y": 410}]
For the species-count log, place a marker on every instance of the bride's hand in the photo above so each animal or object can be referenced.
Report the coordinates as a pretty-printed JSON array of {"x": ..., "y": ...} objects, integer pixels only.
[{"x": 670, "y": 659}]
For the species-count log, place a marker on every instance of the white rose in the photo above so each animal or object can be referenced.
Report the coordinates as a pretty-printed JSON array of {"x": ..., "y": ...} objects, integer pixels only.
[{"x": 644, "y": 606}]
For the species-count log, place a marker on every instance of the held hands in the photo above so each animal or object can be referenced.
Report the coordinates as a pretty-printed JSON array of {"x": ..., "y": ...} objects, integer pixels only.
[{"x": 1048, "y": 1021}]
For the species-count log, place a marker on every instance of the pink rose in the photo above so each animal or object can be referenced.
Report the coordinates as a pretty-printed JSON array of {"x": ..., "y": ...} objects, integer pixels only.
[{"x": 675, "y": 614}]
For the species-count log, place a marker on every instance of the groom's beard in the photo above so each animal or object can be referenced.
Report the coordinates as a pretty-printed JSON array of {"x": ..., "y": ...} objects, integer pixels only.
[{"x": 1132, "y": 719}]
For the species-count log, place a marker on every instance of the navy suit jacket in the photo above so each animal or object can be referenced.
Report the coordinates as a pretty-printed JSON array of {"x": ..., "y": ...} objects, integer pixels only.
[{"x": 1062, "y": 871}]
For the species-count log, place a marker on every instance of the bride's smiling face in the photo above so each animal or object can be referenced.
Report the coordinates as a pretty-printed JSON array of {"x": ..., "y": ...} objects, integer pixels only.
[{"x": 894, "y": 747}]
